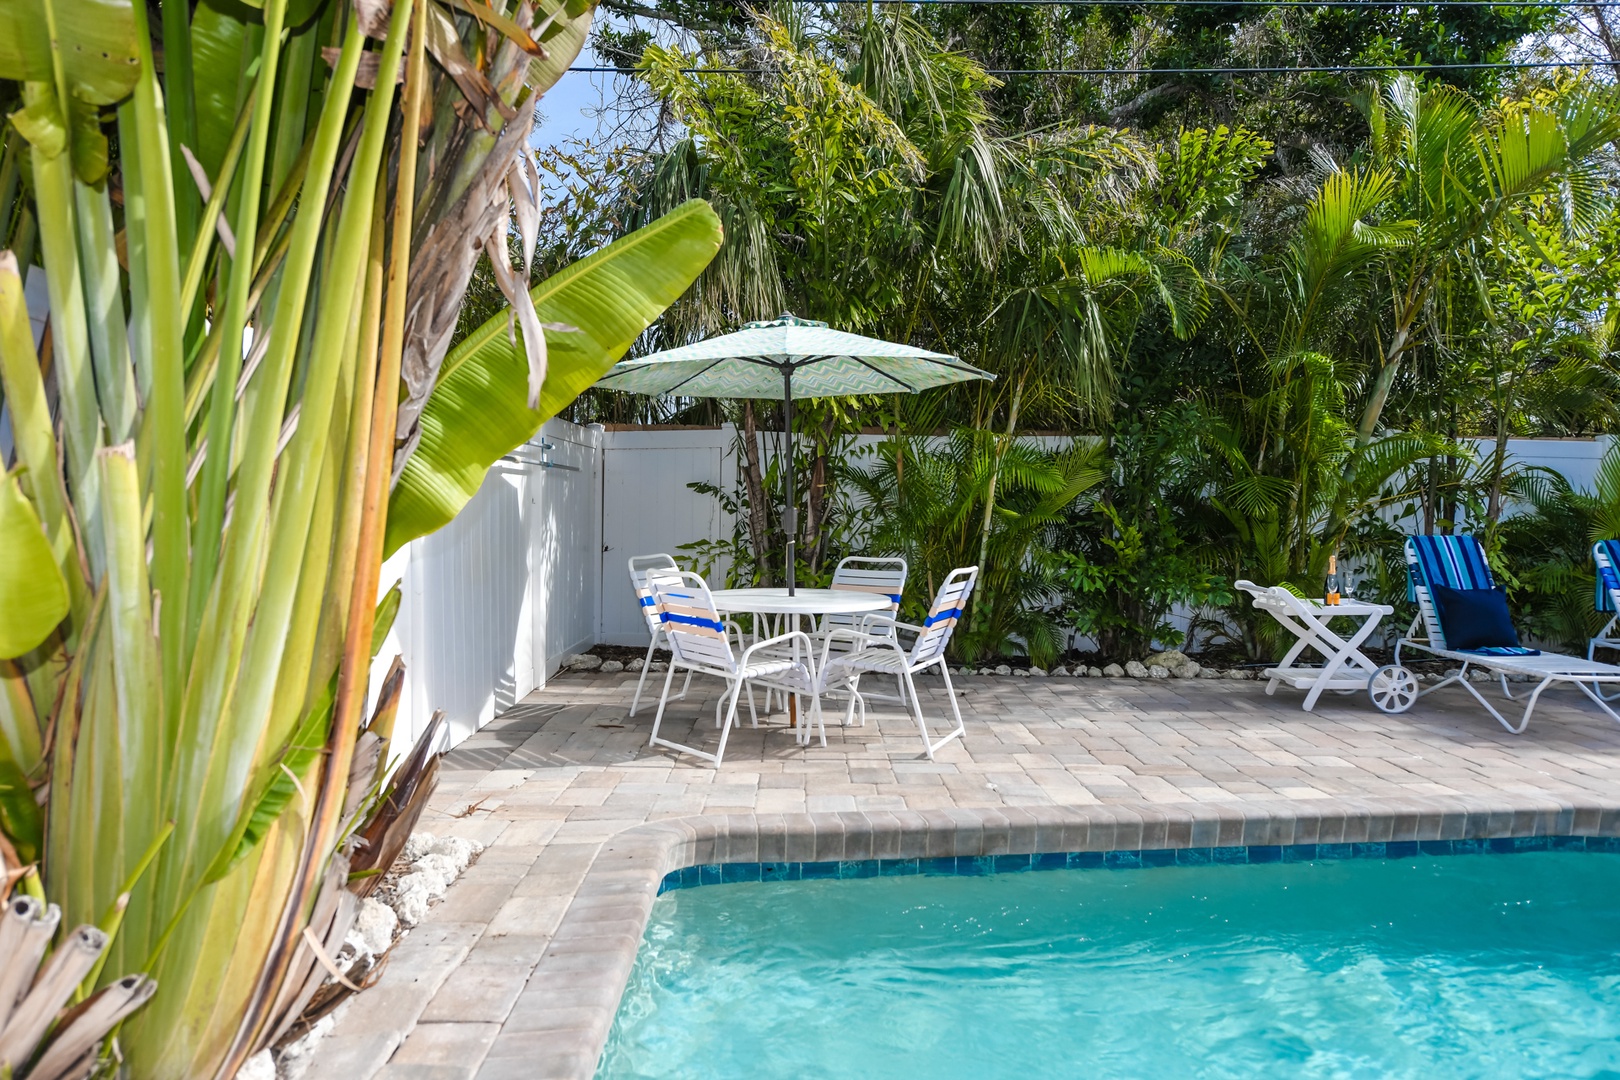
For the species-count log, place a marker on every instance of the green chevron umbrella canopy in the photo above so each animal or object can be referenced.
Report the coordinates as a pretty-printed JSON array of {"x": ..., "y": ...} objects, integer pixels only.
[
  {"x": 763, "y": 358},
  {"x": 785, "y": 359}
]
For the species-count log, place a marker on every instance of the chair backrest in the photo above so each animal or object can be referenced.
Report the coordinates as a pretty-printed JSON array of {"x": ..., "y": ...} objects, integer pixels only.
[
  {"x": 858, "y": 573},
  {"x": 696, "y": 632},
  {"x": 640, "y": 567},
  {"x": 949, "y": 606},
  {"x": 1455, "y": 562},
  {"x": 1606, "y": 557}
]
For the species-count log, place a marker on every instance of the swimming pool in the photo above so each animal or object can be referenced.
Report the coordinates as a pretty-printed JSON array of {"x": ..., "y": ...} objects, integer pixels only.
[{"x": 1477, "y": 966}]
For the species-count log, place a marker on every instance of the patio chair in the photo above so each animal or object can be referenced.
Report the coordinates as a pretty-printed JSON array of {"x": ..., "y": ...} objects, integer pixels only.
[
  {"x": 877, "y": 649},
  {"x": 1606, "y": 558},
  {"x": 640, "y": 567},
  {"x": 1457, "y": 563},
  {"x": 699, "y": 641},
  {"x": 882, "y": 576}
]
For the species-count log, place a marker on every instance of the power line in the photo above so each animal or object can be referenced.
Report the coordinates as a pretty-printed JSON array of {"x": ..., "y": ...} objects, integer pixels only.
[{"x": 1324, "y": 69}]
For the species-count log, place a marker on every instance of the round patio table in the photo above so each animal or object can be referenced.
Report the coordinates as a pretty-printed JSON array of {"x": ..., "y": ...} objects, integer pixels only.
[{"x": 809, "y": 602}]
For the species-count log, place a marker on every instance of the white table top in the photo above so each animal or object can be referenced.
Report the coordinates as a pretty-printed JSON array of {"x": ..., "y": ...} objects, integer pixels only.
[
  {"x": 1349, "y": 606},
  {"x": 802, "y": 602}
]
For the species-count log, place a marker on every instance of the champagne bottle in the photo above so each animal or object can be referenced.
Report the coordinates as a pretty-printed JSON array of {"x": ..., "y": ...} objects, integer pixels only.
[{"x": 1330, "y": 592}]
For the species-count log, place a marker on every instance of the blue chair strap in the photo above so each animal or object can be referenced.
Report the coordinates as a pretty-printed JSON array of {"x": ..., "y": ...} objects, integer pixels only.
[
  {"x": 1503, "y": 650},
  {"x": 1608, "y": 577},
  {"x": 1455, "y": 562}
]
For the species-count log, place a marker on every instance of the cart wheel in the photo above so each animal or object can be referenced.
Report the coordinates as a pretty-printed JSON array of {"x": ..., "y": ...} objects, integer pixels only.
[{"x": 1393, "y": 688}]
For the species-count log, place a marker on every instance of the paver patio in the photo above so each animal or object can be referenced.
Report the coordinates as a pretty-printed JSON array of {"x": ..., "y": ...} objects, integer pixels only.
[{"x": 488, "y": 986}]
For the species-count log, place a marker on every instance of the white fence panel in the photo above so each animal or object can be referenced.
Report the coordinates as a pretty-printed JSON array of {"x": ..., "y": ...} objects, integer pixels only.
[
  {"x": 492, "y": 602},
  {"x": 647, "y": 507}
]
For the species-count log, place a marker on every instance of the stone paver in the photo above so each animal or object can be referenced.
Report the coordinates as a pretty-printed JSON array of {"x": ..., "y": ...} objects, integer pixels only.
[{"x": 518, "y": 971}]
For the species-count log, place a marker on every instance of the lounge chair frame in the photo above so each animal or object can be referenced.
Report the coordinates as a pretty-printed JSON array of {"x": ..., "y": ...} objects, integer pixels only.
[{"x": 1546, "y": 669}]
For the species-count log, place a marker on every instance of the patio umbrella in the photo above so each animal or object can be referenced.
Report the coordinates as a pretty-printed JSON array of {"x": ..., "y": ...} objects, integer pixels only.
[{"x": 789, "y": 358}]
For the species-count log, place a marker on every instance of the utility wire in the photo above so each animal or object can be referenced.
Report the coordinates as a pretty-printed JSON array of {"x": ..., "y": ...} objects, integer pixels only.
[{"x": 1324, "y": 69}]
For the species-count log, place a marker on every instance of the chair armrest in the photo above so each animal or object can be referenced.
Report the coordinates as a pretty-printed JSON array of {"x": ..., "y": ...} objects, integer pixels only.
[{"x": 795, "y": 636}]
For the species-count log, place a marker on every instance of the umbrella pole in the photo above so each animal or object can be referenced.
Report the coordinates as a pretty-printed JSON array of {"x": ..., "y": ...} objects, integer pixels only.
[
  {"x": 792, "y": 517},
  {"x": 792, "y": 495}
]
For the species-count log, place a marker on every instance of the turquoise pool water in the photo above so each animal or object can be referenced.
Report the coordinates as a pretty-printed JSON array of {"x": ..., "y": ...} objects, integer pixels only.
[{"x": 1472, "y": 966}]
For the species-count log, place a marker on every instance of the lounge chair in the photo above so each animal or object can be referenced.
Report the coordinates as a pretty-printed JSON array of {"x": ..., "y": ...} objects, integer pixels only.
[
  {"x": 1606, "y": 558},
  {"x": 1458, "y": 563}
]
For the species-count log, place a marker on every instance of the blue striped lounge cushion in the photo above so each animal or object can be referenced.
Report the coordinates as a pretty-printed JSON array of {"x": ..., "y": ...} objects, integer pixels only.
[
  {"x": 1457, "y": 562},
  {"x": 1608, "y": 576}
]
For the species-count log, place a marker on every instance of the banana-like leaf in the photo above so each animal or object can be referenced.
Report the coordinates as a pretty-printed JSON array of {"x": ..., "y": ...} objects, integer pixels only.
[
  {"x": 95, "y": 41},
  {"x": 562, "y": 31},
  {"x": 33, "y": 596},
  {"x": 478, "y": 409}
]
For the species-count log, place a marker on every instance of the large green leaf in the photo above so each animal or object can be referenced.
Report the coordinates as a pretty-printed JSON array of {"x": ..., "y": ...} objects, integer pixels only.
[
  {"x": 33, "y": 596},
  {"x": 95, "y": 39},
  {"x": 478, "y": 410},
  {"x": 563, "y": 39}
]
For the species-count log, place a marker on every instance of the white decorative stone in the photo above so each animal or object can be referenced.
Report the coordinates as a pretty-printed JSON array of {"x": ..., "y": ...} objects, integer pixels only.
[
  {"x": 1003, "y": 669},
  {"x": 1172, "y": 660},
  {"x": 1237, "y": 674},
  {"x": 412, "y": 895},
  {"x": 260, "y": 1066},
  {"x": 635, "y": 665},
  {"x": 1208, "y": 673},
  {"x": 1020, "y": 673},
  {"x": 418, "y": 845},
  {"x": 374, "y": 925},
  {"x": 458, "y": 850},
  {"x": 1158, "y": 671},
  {"x": 442, "y": 867},
  {"x": 1190, "y": 670},
  {"x": 611, "y": 667},
  {"x": 1136, "y": 669},
  {"x": 582, "y": 662},
  {"x": 1114, "y": 671},
  {"x": 1037, "y": 673},
  {"x": 1060, "y": 672},
  {"x": 1097, "y": 672}
]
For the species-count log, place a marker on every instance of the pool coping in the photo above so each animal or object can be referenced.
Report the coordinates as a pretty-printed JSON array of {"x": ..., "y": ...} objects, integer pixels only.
[{"x": 575, "y": 989}]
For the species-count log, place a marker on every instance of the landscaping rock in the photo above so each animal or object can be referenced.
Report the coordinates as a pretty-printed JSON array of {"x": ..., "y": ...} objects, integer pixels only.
[
  {"x": 581, "y": 662},
  {"x": 611, "y": 667},
  {"x": 658, "y": 665},
  {"x": 1172, "y": 660},
  {"x": 1061, "y": 672},
  {"x": 411, "y": 898},
  {"x": 374, "y": 926},
  {"x": 417, "y": 845},
  {"x": 1158, "y": 671},
  {"x": 458, "y": 850},
  {"x": 1189, "y": 670},
  {"x": 1037, "y": 673},
  {"x": 1114, "y": 671},
  {"x": 1020, "y": 673},
  {"x": 1237, "y": 673},
  {"x": 1136, "y": 669},
  {"x": 260, "y": 1066},
  {"x": 1097, "y": 672},
  {"x": 1209, "y": 673},
  {"x": 1003, "y": 669},
  {"x": 635, "y": 665}
]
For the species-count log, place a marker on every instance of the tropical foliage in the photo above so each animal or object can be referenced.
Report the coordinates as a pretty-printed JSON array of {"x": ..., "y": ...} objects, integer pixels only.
[
  {"x": 1294, "y": 316},
  {"x": 254, "y": 260}
]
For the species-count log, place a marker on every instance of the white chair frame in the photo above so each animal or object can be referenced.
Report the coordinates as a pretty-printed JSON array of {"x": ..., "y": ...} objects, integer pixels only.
[
  {"x": 877, "y": 649},
  {"x": 1609, "y": 636},
  {"x": 1426, "y": 635},
  {"x": 640, "y": 567},
  {"x": 700, "y": 641}
]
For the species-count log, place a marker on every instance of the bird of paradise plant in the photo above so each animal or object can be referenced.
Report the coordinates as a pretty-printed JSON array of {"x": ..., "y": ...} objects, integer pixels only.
[{"x": 250, "y": 300}]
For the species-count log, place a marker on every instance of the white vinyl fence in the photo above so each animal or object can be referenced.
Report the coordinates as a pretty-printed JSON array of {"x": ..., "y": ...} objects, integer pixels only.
[{"x": 534, "y": 568}]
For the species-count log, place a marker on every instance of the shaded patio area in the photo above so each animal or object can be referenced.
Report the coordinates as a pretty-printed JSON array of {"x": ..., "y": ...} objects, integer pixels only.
[{"x": 494, "y": 984}]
